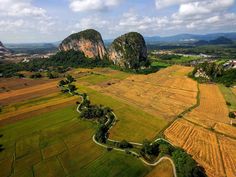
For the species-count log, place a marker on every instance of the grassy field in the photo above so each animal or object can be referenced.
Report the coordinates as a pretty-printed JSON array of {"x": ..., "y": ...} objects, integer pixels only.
[
  {"x": 130, "y": 118},
  {"x": 229, "y": 96},
  {"x": 160, "y": 64},
  {"x": 58, "y": 144},
  {"x": 164, "y": 169}
]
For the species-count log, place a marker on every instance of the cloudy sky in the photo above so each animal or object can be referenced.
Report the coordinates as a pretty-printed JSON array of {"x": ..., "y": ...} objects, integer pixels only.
[{"x": 53, "y": 20}]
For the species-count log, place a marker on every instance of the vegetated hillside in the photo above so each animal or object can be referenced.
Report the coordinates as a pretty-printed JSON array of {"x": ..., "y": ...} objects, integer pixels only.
[
  {"x": 213, "y": 72},
  {"x": 88, "y": 41},
  {"x": 129, "y": 51}
]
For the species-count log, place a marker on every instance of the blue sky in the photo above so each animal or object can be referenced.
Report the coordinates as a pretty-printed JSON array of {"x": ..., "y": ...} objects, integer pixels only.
[{"x": 53, "y": 20}]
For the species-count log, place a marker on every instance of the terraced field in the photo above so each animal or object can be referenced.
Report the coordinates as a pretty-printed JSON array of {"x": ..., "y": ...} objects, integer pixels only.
[{"x": 166, "y": 93}]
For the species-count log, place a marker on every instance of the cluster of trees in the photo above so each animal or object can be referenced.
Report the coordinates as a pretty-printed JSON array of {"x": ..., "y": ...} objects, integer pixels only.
[
  {"x": 102, "y": 114},
  {"x": 57, "y": 63},
  {"x": 123, "y": 144},
  {"x": 52, "y": 75},
  {"x": 186, "y": 166},
  {"x": 36, "y": 76},
  {"x": 67, "y": 86},
  {"x": 169, "y": 57},
  {"x": 216, "y": 73}
]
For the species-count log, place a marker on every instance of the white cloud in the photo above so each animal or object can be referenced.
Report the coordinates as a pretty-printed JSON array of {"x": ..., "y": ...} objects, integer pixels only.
[
  {"x": 97, "y": 5},
  {"x": 9, "y": 25},
  {"x": 204, "y": 7},
  {"x": 160, "y": 4},
  {"x": 201, "y": 5},
  {"x": 18, "y": 8}
]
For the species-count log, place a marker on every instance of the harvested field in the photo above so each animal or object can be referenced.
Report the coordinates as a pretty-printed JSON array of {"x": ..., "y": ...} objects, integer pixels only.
[
  {"x": 166, "y": 93},
  {"x": 129, "y": 118},
  {"x": 164, "y": 169},
  {"x": 179, "y": 131},
  {"x": 10, "y": 84},
  {"x": 228, "y": 149},
  {"x": 212, "y": 108},
  {"x": 28, "y": 93},
  {"x": 200, "y": 143},
  {"x": 226, "y": 129}
]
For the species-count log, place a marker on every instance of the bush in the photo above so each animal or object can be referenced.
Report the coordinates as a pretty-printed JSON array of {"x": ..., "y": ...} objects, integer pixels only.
[
  {"x": 36, "y": 76},
  {"x": 228, "y": 103},
  {"x": 186, "y": 166},
  {"x": 124, "y": 144},
  {"x": 232, "y": 115}
]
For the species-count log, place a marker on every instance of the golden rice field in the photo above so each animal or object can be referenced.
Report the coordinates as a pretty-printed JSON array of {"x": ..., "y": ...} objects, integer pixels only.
[
  {"x": 214, "y": 150},
  {"x": 200, "y": 143},
  {"x": 166, "y": 93},
  {"x": 212, "y": 108},
  {"x": 228, "y": 149},
  {"x": 225, "y": 129}
]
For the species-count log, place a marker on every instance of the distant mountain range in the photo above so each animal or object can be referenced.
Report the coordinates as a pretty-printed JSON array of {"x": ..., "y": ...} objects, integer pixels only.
[{"x": 190, "y": 37}]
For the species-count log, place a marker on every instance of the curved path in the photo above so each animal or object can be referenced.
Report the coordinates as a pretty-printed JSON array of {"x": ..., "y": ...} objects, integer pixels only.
[{"x": 133, "y": 143}]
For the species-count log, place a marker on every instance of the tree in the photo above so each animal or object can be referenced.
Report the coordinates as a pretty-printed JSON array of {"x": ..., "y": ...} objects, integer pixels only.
[
  {"x": 36, "y": 76},
  {"x": 101, "y": 134},
  {"x": 72, "y": 88},
  {"x": 70, "y": 79},
  {"x": 62, "y": 83},
  {"x": 150, "y": 148},
  {"x": 185, "y": 165},
  {"x": 232, "y": 116},
  {"x": 124, "y": 144}
]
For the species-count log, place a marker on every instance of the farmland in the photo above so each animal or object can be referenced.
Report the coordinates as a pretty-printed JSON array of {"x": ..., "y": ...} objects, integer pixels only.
[
  {"x": 166, "y": 93},
  {"x": 212, "y": 107},
  {"x": 54, "y": 144},
  {"x": 200, "y": 133},
  {"x": 162, "y": 170},
  {"x": 230, "y": 96},
  {"x": 53, "y": 141}
]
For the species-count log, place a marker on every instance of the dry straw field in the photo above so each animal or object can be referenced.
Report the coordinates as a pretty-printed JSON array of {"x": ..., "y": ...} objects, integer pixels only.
[
  {"x": 166, "y": 93},
  {"x": 200, "y": 134},
  {"x": 212, "y": 107}
]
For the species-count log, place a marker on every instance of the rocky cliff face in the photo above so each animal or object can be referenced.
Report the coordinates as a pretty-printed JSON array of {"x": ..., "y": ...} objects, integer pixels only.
[
  {"x": 3, "y": 50},
  {"x": 129, "y": 51},
  {"x": 89, "y": 42}
]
